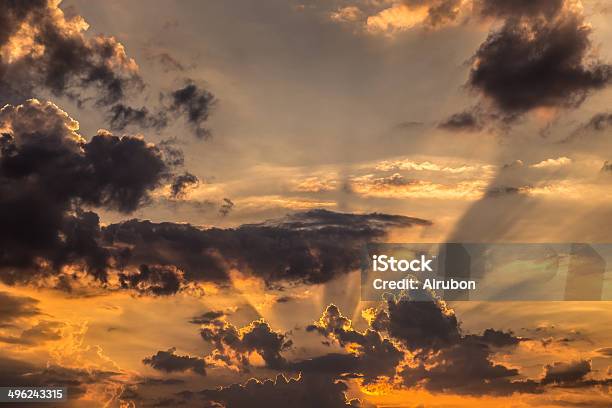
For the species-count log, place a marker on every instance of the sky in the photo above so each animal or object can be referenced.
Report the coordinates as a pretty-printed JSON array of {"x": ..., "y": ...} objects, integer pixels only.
[{"x": 186, "y": 187}]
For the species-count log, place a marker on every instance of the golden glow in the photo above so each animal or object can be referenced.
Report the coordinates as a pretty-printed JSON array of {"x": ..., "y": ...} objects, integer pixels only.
[{"x": 398, "y": 17}]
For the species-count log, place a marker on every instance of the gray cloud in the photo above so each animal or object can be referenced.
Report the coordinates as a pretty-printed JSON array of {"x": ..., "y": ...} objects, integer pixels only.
[
  {"x": 14, "y": 307},
  {"x": 419, "y": 325},
  {"x": 195, "y": 103},
  {"x": 534, "y": 61},
  {"x": 310, "y": 247},
  {"x": 462, "y": 121},
  {"x": 375, "y": 355},
  {"x": 157, "y": 280},
  {"x": 207, "y": 317},
  {"x": 233, "y": 343},
  {"x": 169, "y": 362},
  {"x": 466, "y": 368},
  {"x": 307, "y": 391},
  {"x": 38, "y": 334},
  {"x": 57, "y": 56},
  {"x": 60, "y": 58},
  {"x": 518, "y": 8},
  {"x": 226, "y": 207},
  {"x": 47, "y": 172},
  {"x": 121, "y": 116},
  {"x": 181, "y": 182},
  {"x": 561, "y": 372}
]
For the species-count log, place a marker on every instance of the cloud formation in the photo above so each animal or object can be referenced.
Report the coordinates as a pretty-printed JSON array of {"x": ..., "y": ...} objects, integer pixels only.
[
  {"x": 15, "y": 307},
  {"x": 426, "y": 339},
  {"x": 170, "y": 362},
  {"x": 391, "y": 17},
  {"x": 539, "y": 58},
  {"x": 21, "y": 373},
  {"x": 195, "y": 103},
  {"x": 36, "y": 335},
  {"x": 191, "y": 102},
  {"x": 234, "y": 346},
  {"x": 181, "y": 183},
  {"x": 561, "y": 372},
  {"x": 419, "y": 325},
  {"x": 44, "y": 49},
  {"x": 462, "y": 121},
  {"x": 40, "y": 47},
  {"x": 48, "y": 171},
  {"x": 309, "y": 247},
  {"x": 301, "y": 392},
  {"x": 121, "y": 116},
  {"x": 371, "y": 356}
]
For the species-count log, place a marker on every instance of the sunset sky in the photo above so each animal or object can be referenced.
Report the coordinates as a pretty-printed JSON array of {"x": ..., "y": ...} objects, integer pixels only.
[{"x": 186, "y": 188}]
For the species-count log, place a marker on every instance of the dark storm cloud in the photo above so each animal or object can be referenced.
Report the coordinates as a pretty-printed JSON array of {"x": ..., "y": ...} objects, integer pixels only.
[
  {"x": 360, "y": 225},
  {"x": 42, "y": 332},
  {"x": 47, "y": 171},
  {"x": 195, "y": 103},
  {"x": 496, "y": 338},
  {"x": 449, "y": 363},
  {"x": 462, "y": 121},
  {"x": 310, "y": 247},
  {"x": 304, "y": 392},
  {"x": 58, "y": 56},
  {"x": 419, "y": 325},
  {"x": 374, "y": 355},
  {"x": 333, "y": 322},
  {"x": 571, "y": 372},
  {"x": 518, "y": 8},
  {"x": 336, "y": 365},
  {"x": 535, "y": 61},
  {"x": 169, "y": 362},
  {"x": 14, "y": 307},
  {"x": 47, "y": 50},
  {"x": 157, "y": 280},
  {"x": 207, "y": 317},
  {"x": 465, "y": 368},
  {"x": 124, "y": 170},
  {"x": 261, "y": 338},
  {"x": 181, "y": 183},
  {"x": 233, "y": 345},
  {"x": 444, "y": 360}
]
